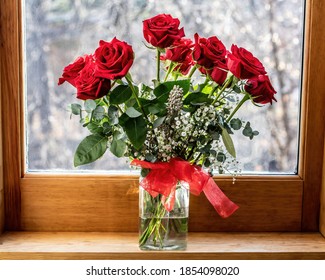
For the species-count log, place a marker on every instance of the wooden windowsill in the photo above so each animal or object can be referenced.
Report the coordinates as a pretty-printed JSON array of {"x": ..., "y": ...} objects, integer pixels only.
[{"x": 104, "y": 245}]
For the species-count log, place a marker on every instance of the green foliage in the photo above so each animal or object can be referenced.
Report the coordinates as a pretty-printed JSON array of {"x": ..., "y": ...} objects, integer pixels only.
[
  {"x": 75, "y": 108},
  {"x": 132, "y": 113},
  {"x": 90, "y": 149},
  {"x": 228, "y": 142},
  {"x": 118, "y": 147},
  {"x": 90, "y": 105},
  {"x": 136, "y": 130},
  {"x": 249, "y": 132},
  {"x": 197, "y": 98},
  {"x": 236, "y": 124},
  {"x": 162, "y": 90},
  {"x": 120, "y": 94}
]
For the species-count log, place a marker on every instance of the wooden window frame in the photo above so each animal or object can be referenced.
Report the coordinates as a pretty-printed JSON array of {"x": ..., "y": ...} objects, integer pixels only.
[{"x": 42, "y": 202}]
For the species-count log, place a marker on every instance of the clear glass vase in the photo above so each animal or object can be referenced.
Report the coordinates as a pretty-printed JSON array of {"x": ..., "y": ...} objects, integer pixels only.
[{"x": 160, "y": 229}]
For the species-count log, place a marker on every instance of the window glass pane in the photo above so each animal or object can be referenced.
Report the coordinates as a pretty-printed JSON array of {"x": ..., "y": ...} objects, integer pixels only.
[{"x": 57, "y": 31}]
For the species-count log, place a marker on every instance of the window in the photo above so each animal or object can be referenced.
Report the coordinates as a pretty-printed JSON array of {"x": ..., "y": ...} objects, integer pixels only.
[
  {"x": 99, "y": 202},
  {"x": 57, "y": 31}
]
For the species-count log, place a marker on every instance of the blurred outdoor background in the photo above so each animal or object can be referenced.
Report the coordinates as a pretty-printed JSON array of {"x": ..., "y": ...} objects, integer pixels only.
[{"x": 58, "y": 31}]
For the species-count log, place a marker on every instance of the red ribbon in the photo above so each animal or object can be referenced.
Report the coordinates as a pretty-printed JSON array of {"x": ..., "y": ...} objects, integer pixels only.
[{"x": 163, "y": 178}]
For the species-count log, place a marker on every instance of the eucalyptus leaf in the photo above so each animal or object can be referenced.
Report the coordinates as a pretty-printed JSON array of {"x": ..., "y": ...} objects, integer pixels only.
[
  {"x": 236, "y": 124},
  {"x": 75, "y": 108},
  {"x": 90, "y": 105},
  {"x": 99, "y": 113},
  {"x": 90, "y": 149},
  {"x": 113, "y": 114},
  {"x": 228, "y": 142},
  {"x": 221, "y": 157}
]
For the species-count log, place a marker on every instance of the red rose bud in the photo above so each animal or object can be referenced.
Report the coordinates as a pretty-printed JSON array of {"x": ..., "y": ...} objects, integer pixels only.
[
  {"x": 209, "y": 52},
  {"x": 88, "y": 85},
  {"x": 162, "y": 31},
  {"x": 113, "y": 59},
  {"x": 71, "y": 72},
  {"x": 260, "y": 89},
  {"x": 243, "y": 64}
]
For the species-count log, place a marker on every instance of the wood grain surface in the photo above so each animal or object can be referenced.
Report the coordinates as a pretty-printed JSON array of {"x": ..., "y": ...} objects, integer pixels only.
[
  {"x": 313, "y": 113},
  {"x": 81, "y": 245},
  {"x": 2, "y": 209},
  {"x": 322, "y": 204},
  {"x": 11, "y": 93},
  {"x": 99, "y": 204}
]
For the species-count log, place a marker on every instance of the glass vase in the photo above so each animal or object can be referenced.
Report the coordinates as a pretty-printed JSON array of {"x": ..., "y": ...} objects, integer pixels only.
[{"x": 160, "y": 229}]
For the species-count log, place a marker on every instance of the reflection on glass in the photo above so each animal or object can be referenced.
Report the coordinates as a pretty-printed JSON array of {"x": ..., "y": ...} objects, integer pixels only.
[{"x": 56, "y": 31}]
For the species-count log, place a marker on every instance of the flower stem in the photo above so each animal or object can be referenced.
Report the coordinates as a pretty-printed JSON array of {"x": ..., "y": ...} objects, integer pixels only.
[
  {"x": 192, "y": 71},
  {"x": 244, "y": 99},
  {"x": 158, "y": 65},
  {"x": 226, "y": 84},
  {"x": 170, "y": 69},
  {"x": 134, "y": 92}
]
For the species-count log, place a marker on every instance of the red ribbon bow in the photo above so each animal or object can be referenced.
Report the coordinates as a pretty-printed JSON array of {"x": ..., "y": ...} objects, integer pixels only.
[{"x": 163, "y": 178}]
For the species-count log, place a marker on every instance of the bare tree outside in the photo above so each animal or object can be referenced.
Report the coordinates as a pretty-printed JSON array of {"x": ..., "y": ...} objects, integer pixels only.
[{"x": 57, "y": 31}]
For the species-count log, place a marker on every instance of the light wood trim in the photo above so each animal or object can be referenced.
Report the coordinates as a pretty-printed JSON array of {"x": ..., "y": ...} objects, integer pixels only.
[
  {"x": 99, "y": 204},
  {"x": 210, "y": 246},
  {"x": 11, "y": 89},
  {"x": 313, "y": 113},
  {"x": 322, "y": 204},
  {"x": 311, "y": 141}
]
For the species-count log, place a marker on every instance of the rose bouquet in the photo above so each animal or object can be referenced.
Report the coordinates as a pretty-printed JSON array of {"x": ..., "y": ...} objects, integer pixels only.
[{"x": 178, "y": 130}]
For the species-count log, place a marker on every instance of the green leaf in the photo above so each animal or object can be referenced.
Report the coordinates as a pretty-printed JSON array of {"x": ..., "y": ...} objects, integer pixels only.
[
  {"x": 90, "y": 149},
  {"x": 90, "y": 105},
  {"x": 158, "y": 122},
  {"x": 221, "y": 157},
  {"x": 132, "y": 113},
  {"x": 156, "y": 108},
  {"x": 228, "y": 142},
  {"x": 99, "y": 113},
  {"x": 136, "y": 130},
  {"x": 197, "y": 98},
  {"x": 118, "y": 147},
  {"x": 75, "y": 108},
  {"x": 120, "y": 94},
  {"x": 113, "y": 114},
  {"x": 248, "y": 131},
  {"x": 94, "y": 128},
  {"x": 162, "y": 90},
  {"x": 236, "y": 89},
  {"x": 123, "y": 119}
]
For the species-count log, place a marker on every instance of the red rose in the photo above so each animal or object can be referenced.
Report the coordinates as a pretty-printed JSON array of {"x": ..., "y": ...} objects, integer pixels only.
[
  {"x": 179, "y": 51},
  {"x": 185, "y": 66},
  {"x": 88, "y": 85},
  {"x": 243, "y": 64},
  {"x": 162, "y": 30},
  {"x": 71, "y": 71},
  {"x": 260, "y": 89},
  {"x": 218, "y": 74},
  {"x": 113, "y": 59},
  {"x": 209, "y": 52}
]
